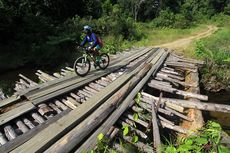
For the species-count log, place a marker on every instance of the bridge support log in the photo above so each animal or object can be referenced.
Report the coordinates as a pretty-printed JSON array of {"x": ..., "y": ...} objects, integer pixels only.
[{"x": 197, "y": 105}]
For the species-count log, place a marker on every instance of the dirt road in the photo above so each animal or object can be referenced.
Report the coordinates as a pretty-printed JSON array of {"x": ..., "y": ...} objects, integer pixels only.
[{"x": 181, "y": 44}]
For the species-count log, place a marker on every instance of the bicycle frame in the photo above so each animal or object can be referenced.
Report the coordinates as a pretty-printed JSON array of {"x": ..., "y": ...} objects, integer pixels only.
[{"x": 88, "y": 55}]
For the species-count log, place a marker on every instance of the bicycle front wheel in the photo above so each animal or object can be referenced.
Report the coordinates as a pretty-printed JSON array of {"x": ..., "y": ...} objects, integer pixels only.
[
  {"x": 82, "y": 66},
  {"x": 104, "y": 61}
]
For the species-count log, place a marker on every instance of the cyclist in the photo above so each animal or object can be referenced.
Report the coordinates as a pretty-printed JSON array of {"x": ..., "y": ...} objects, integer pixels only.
[{"x": 93, "y": 42}]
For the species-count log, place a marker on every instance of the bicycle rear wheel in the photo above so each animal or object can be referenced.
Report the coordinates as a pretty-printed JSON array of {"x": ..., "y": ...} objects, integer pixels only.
[
  {"x": 104, "y": 61},
  {"x": 82, "y": 66}
]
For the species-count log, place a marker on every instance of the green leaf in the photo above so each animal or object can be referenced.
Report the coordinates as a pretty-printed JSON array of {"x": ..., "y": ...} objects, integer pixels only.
[
  {"x": 126, "y": 130},
  {"x": 113, "y": 151},
  {"x": 135, "y": 117},
  {"x": 201, "y": 141},
  {"x": 100, "y": 136},
  {"x": 188, "y": 142},
  {"x": 138, "y": 98},
  {"x": 134, "y": 139},
  {"x": 215, "y": 125},
  {"x": 170, "y": 149}
]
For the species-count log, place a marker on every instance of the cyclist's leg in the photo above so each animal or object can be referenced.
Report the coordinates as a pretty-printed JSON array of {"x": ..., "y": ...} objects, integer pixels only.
[{"x": 97, "y": 53}]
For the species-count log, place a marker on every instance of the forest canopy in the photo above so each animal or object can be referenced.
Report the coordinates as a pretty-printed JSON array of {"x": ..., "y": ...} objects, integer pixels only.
[{"x": 43, "y": 32}]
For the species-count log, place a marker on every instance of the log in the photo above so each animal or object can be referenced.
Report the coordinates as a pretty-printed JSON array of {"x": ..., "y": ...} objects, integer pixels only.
[
  {"x": 165, "y": 77},
  {"x": 22, "y": 126},
  {"x": 114, "y": 133},
  {"x": 140, "y": 145},
  {"x": 182, "y": 59},
  {"x": 172, "y": 76},
  {"x": 57, "y": 75},
  {"x": 138, "y": 132},
  {"x": 181, "y": 64},
  {"x": 198, "y": 105},
  {"x": 73, "y": 101},
  {"x": 174, "y": 127},
  {"x": 45, "y": 110},
  {"x": 161, "y": 83},
  {"x": 42, "y": 79},
  {"x": 168, "y": 104},
  {"x": 128, "y": 121},
  {"x": 9, "y": 132},
  {"x": 32, "y": 83},
  {"x": 39, "y": 119},
  {"x": 179, "y": 92},
  {"x": 2, "y": 139},
  {"x": 24, "y": 83},
  {"x": 168, "y": 68},
  {"x": 165, "y": 120},
  {"x": 110, "y": 131},
  {"x": 60, "y": 105},
  {"x": 179, "y": 114},
  {"x": 54, "y": 107},
  {"x": 69, "y": 104},
  {"x": 91, "y": 90},
  {"x": 156, "y": 133},
  {"x": 170, "y": 72},
  {"x": 103, "y": 83},
  {"x": 49, "y": 77},
  {"x": 28, "y": 123},
  {"x": 139, "y": 121},
  {"x": 70, "y": 69}
]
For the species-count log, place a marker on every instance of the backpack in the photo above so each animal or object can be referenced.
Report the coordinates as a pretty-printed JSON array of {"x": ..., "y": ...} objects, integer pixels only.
[{"x": 100, "y": 42}]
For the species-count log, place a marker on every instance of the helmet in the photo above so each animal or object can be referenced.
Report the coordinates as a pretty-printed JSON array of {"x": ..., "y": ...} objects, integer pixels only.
[{"x": 87, "y": 28}]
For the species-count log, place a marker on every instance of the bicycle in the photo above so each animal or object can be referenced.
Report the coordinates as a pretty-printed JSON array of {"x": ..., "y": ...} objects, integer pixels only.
[{"x": 82, "y": 64}]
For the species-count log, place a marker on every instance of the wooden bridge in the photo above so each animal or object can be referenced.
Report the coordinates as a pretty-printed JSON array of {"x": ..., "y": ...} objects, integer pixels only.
[{"x": 144, "y": 90}]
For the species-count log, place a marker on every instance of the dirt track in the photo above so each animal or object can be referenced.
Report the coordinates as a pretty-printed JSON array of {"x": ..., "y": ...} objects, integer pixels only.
[{"x": 182, "y": 44}]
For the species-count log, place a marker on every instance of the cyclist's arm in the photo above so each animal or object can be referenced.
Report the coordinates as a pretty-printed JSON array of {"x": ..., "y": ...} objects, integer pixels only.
[
  {"x": 94, "y": 39},
  {"x": 83, "y": 42}
]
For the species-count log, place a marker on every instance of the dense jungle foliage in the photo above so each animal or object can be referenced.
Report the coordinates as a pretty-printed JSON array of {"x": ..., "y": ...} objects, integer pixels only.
[{"x": 40, "y": 33}]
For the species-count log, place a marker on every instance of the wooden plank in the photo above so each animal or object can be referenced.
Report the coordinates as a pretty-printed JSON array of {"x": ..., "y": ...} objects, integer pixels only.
[
  {"x": 9, "y": 101},
  {"x": 155, "y": 128},
  {"x": 179, "y": 92},
  {"x": 45, "y": 138},
  {"x": 32, "y": 83},
  {"x": 8, "y": 116}
]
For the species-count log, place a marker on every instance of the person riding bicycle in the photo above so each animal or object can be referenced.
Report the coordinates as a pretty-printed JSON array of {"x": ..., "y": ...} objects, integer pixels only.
[{"x": 93, "y": 42}]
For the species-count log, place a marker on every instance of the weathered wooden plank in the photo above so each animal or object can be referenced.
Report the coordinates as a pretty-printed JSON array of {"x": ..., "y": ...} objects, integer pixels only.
[
  {"x": 151, "y": 98},
  {"x": 174, "y": 127},
  {"x": 179, "y": 92},
  {"x": 32, "y": 83},
  {"x": 9, "y": 101},
  {"x": 156, "y": 133},
  {"x": 6, "y": 117}
]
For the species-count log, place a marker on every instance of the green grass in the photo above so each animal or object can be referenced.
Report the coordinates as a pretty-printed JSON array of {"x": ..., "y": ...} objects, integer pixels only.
[
  {"x": 215, "y": 50},
  {"x": 207, "y": 139},
  {"x": 155, "y": 36}
]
